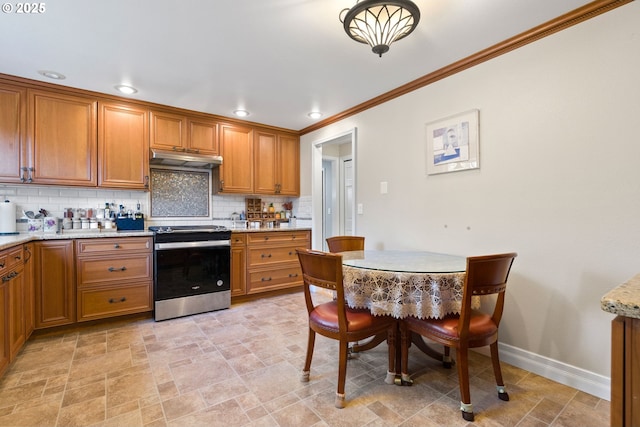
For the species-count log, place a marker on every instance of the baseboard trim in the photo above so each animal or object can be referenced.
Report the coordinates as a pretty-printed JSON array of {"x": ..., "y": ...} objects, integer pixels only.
[{"x": 581, "y": 379}]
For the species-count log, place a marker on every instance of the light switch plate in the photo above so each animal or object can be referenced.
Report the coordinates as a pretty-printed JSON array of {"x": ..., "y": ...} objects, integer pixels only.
[
  {"x": 384, "y": 187},
  {"x": 360, "y": 209}
]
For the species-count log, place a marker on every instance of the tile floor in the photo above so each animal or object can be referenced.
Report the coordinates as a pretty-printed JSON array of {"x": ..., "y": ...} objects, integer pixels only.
[{"x": 241, "y": 367}]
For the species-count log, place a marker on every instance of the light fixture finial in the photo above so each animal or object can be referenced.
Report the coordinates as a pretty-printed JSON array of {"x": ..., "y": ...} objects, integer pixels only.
[{"x": 379, "y": 23}]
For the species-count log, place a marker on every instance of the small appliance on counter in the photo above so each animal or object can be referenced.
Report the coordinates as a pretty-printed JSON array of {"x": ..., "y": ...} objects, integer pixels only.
[
  {"x": 7, "y": 218},
  {"x": 131, "y": 224}
]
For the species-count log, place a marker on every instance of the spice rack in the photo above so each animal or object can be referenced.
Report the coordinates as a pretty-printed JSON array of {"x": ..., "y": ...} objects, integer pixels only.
[{"x": 258, "y": 211}]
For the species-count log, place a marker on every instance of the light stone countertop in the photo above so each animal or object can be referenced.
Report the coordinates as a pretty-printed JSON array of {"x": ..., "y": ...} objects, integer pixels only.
[
  {"x": 18, "y": 239},
  {"x": 623, "y": 300}
]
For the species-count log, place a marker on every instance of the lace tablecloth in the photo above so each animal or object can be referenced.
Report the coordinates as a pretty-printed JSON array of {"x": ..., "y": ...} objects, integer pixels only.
[{"x": 401, "y": 294}]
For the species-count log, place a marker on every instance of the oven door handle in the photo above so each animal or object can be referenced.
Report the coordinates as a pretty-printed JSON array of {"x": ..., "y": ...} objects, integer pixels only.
[{"x": 184, "y": 245}]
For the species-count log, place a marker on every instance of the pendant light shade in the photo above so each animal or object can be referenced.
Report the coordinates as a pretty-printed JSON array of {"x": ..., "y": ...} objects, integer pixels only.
[{"x": 380, "y": 23}]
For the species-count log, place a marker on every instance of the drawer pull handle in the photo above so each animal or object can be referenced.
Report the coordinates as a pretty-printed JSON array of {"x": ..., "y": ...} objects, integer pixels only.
[
  {"x": 9, "y": 276},
  {"x": 290, "y": 252},
  {"x": 266, "y": 279},
  {"x": 18, "y": 258},
  {"x": 2, "y": 265},
  {"x": 265, "y": 256},
  {"x": 266, "y": 238},
  {"x": 195, "y": 288},
  {"x": 111, "y": 269},
  {"x": 117, "y": 246},
  {"x": 114, "y": 300},
  {"x": 293, "y": 275}
]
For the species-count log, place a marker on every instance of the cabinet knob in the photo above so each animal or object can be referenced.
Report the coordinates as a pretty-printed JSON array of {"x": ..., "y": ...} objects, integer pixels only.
[{"x": 117, "y": 246}]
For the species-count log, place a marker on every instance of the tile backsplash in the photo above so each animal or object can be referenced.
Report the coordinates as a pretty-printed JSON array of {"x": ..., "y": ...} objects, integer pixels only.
[{"x": 55, "y": 199}]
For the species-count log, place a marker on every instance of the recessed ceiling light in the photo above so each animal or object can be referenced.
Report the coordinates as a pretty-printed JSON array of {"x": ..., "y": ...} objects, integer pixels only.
[
  {"x": 52, "y": 74},
  {"x": 241, "y": 113},
  {"x": 315, "y": 114},
  {"x": 127, "y": 90}
]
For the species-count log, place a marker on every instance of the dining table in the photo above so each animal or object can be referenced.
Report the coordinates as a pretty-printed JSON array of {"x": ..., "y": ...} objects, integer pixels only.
[{"x": 404, "y": 283}]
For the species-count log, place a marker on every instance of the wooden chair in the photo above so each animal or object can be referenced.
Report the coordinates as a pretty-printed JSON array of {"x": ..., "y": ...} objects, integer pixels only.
[
  {"x": 345, "y": 243},
  {"x": 335, "y": 319},
  {"x": 485, "y": 275}
]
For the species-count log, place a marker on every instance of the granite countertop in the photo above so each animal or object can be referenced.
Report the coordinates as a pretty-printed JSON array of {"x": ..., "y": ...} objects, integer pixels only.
[
  {"x": 263, "y": 229},
  {"x": 623, "y": 300},
  {"x": 8, "y": 241},
  {"x": 17, "y": 239}
]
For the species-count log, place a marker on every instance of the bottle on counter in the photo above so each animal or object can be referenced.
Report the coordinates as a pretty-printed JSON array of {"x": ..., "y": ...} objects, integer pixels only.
[{"x": 138, "y": 214}]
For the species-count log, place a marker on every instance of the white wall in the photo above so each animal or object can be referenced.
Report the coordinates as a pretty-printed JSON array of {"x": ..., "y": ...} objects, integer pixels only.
[{"x": 558, "y": 181}]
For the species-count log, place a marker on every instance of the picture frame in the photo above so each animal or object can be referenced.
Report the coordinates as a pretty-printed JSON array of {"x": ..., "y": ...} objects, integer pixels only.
[{"x": 453, "y": 143}]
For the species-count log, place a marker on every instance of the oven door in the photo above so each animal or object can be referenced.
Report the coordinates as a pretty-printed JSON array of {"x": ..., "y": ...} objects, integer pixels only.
[{"x": 185, "y": 269}]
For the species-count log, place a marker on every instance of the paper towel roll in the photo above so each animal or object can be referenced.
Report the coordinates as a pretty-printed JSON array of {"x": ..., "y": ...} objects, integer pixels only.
[{"x": 7, "y": 217}]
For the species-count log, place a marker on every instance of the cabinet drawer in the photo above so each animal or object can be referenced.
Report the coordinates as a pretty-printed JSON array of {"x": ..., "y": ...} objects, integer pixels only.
[
  {"x": 278, "y": 237},
  {"x": 93, "y": 271},
  {"x": 10, "y": 258},
  {"x": 113, "y": 245},
  {"x": 266, "y": 280},
  {"x": 261, "y": 257},
  {"x": 238, "y": 239},
  {"x": 100, "y": 302}
]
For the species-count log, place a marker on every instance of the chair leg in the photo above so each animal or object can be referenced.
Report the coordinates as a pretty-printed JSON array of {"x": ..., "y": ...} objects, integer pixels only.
[
  {"x": 342, "y": 374},
  {"x": 307, "y": 363},
  {"x": 495, "y": 361},
  {"x": 446, "y": 357},
  {"x": 462, "y": 359}
]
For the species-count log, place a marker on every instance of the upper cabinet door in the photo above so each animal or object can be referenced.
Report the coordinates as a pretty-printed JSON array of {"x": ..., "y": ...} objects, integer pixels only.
[
  {"x": 203, "y": 137},
  {"x": 123, "y": 146},
  {"x": 168, "y": 131},
  {"x": 62, "y": 133},
  {"x": 236, "y": 171},
  {"x": 288, "y": 166},
  {"x": 264, "y": 160},
  {"x": 12, "y": 133}
]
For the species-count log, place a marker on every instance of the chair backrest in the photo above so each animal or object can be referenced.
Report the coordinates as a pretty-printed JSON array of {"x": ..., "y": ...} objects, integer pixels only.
[
  {"x": 322, "y": 269},
  {"x": 345, "y": 243},
  {"x": 485, "y": 275}
]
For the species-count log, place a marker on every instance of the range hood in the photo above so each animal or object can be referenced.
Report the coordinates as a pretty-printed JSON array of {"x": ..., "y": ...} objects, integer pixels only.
[{"x": 184, "y": 159}]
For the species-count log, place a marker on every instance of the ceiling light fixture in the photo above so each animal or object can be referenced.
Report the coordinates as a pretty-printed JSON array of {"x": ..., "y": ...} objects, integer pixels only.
[
  {"x": 127, "y": 90},
  {"x": 241, "y": 113},
  {"x": 315, "y": 114},
  {"x": 380, "y": 23},
  {"x": 52, "y": 74}
]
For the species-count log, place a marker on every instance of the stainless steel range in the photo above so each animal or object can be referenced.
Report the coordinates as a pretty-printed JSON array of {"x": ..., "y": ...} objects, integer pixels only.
[{"x": 192, "y": 266}]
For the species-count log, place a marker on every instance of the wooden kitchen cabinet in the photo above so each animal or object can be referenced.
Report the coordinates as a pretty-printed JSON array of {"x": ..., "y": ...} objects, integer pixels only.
[
  {"x": 54, "y": 283},
  {"x": 236, "y": 171},
  {"x": 15, "y": 277},
  {"x": 14, "y": 318},
  {"x": 29, "y": 290},
  {"x": 277, "y": 164},
  {"x": 5, "y": 353},
  {"x": 114, "y": 277},
  {"x": 238, "y": 263},
  {"x": 13, "y": 116},
  {"x": 272, "y": 261},
  {"x": 189, "y": 134},
  {"x": 123, "y": 146},
  {"x": 62, "y": 139},
  {"x": 625, "y": 372}
]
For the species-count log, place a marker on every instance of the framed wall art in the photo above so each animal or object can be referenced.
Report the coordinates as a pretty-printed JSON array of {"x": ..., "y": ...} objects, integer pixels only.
[{"x": 453, "y": 143}]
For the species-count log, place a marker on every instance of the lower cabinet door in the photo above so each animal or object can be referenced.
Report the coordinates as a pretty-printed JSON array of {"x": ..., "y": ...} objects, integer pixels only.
[
  {"x": 267, "y": 280},
  {"x": 102, "y": 302}
]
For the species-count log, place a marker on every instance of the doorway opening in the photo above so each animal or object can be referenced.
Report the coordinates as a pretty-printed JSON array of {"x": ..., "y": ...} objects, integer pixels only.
[{"x": 333, "y": 187}]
